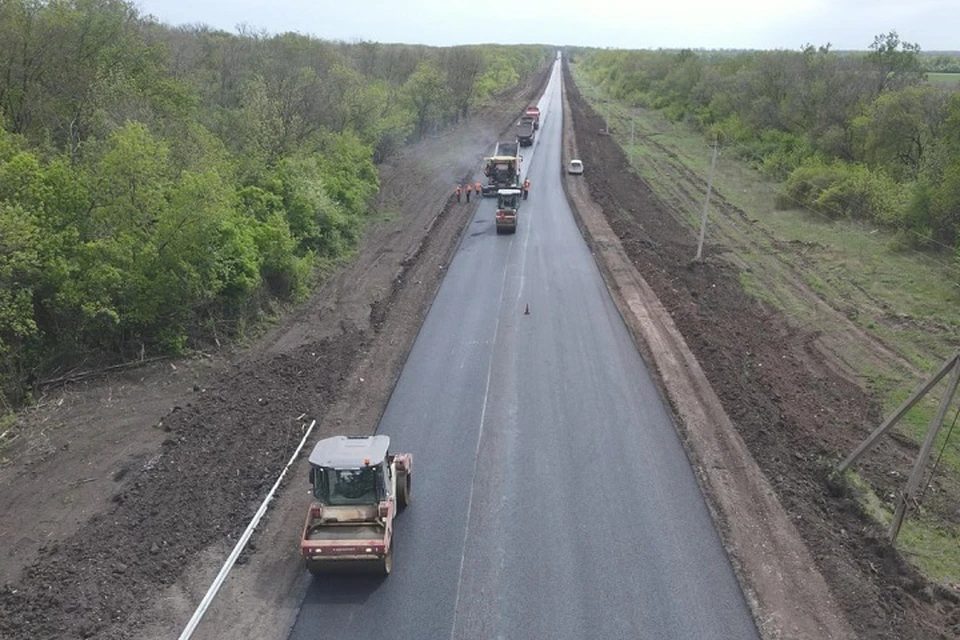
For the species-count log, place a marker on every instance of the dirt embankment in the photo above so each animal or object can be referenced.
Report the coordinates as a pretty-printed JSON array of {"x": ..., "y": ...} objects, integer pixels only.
[
  {"x": 171, "y": 483},
  {"x": 795, "y": 412}
]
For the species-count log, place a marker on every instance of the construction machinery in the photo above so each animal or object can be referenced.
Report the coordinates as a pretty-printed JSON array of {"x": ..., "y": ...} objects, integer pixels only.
[
  {"x": 533, "y": 112},
  {"x": 508, "y": 205},
  {"x": 525, "y": 131},
  {"x": 502, "y": 169},
  {"x": 508, "y": 148},
  {"x": 358, "y": 489}
]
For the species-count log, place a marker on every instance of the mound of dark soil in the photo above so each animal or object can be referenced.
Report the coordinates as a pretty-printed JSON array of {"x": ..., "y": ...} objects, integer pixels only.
[{"x": 233, "y": 439}]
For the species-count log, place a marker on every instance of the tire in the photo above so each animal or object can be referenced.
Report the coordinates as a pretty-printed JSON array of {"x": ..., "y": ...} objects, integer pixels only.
[
  {"x": 386, "y": 563},
  {"x": 403, "y": 491}
]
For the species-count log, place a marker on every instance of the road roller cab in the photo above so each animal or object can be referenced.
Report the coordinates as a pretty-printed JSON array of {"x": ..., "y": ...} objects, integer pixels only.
[
  {"x": 508, "y": 204},
  {"x": 358, "y": 487}
]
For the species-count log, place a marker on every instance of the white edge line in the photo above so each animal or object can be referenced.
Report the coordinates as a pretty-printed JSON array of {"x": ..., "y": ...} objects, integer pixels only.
[{"x": 241, "y": 543}]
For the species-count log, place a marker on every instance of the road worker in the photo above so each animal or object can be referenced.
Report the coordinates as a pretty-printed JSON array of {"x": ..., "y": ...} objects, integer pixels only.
[
  {"x": 526, "y": 189},
  {"x": 457, "y": 191},
  {"x": 478, "y": 188},
  {"x": 469, "y": 189}
]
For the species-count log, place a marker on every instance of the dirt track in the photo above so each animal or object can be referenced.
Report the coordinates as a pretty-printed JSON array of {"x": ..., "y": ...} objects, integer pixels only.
[
  {"x": 180, "y": 481},
  {"x": 794, "y": 409}
]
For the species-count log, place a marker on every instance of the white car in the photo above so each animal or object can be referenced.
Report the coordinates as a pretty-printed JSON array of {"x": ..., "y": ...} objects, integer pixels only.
[{"x": 575, "y": 167}]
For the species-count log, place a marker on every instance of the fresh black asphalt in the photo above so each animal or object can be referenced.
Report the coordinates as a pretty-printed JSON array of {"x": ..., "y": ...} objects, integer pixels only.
[{"x": 552, "y": 497}]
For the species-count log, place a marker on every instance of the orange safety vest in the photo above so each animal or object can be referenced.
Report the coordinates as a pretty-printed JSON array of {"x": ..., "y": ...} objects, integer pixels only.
[
  {"x": 469, "y": 187},
  {"x": 477, "y": 187},
  {"x": 457, "y": 190},
  {"x": 526, "y": 184}
]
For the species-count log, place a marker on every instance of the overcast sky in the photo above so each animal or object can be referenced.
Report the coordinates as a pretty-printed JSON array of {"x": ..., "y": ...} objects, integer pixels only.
[{"x": 641, "y": 24}]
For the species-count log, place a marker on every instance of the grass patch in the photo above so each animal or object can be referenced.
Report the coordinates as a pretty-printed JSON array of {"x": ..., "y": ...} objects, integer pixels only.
[
  {"x": 870, "y": 501},
  {"x": 934, "y": 549},
  {"x": 751, "y": 284},
  {"x": 916, "y": 423},
  {"x": 944, "y": 79}
]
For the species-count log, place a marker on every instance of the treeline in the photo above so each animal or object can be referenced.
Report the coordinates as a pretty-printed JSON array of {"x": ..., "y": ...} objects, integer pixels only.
[
  {"x": 161, "y": 187},
  {"x": 851, "y": 135},
  {"x": 941, "y": 63}
]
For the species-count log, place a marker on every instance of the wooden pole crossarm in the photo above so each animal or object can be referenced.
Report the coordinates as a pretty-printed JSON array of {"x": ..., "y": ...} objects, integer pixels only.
[
  {"x": 892, "y": 420},
  {"x": 917, "y": 474}
]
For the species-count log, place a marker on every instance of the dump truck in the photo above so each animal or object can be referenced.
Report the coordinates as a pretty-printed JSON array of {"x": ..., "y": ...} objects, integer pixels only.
[
  {"x": 533, "y": 112},
  {"x": 507, "y": 148},
  {"x": 502, "y": 169},
  {"x": 358, "y": 488},
  {"x": 525, "y": 131},
  {"x": 508, "y": 206}
]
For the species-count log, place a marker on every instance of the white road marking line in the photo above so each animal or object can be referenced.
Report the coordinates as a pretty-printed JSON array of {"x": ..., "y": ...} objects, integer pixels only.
[
  {"x": 228, "y": 565},
  {"x": 476, "y": 459}
]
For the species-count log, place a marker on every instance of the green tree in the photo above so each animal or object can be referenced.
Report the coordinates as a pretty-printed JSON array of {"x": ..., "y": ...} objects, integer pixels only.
[
  {"x": 21, "y": 267},
  {"x": 900, "y": 127},
  {"x": 895, "y": 63},
  {"x": 462, "y": 67},
  {"x": 159, "y": 185},
  {"x": 428, "y": 95}
]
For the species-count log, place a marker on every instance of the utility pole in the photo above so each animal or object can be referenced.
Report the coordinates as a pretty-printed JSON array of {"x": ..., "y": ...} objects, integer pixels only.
[
  {"x": 916, "y": 476},
  {"x": 889, "y": 423},
  {"x": 706, "y": 202},
  {"x": 952, "y": 365}
]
